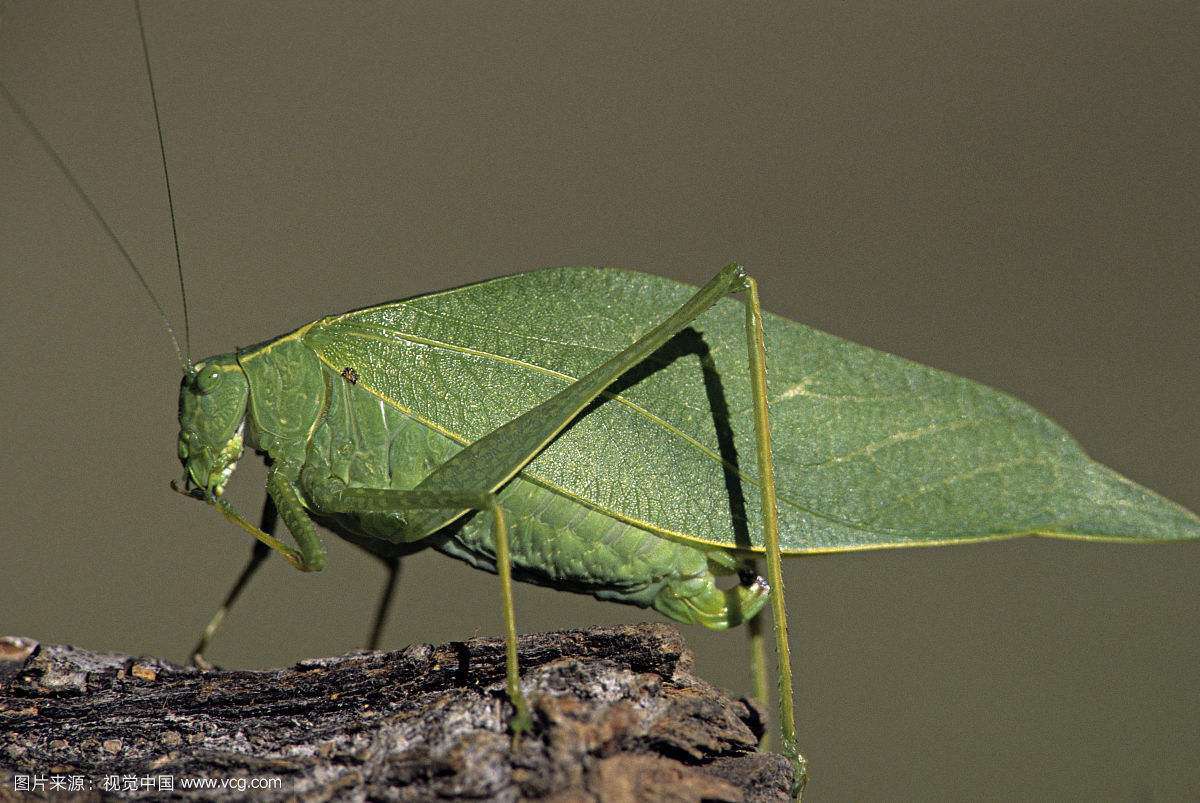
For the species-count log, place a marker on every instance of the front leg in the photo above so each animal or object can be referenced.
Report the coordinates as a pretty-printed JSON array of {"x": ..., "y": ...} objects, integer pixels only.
[
  {"x": 281, "y": 488},
  {"x": 258, "y": 554},
  {"x": 364, "y": 500},
  {"x": 282, "y": 502},
  {"x": 281, "y": 485}
]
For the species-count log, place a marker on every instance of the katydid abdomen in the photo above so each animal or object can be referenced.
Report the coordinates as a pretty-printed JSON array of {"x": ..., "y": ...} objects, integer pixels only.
[{"x": 557, "y": 542}]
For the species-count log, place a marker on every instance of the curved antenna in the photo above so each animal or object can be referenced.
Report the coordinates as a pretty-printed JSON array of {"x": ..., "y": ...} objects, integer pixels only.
[
  {"x": 162, "y": 149},
  {"x": 38, "y": 137}
]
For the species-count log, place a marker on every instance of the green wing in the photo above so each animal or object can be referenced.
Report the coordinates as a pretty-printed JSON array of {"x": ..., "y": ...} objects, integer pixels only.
[{"x": 871, "y": 450}]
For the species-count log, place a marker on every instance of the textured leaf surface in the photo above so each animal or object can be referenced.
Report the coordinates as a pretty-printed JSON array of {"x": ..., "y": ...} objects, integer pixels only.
[{"x": 871, "y": 450}]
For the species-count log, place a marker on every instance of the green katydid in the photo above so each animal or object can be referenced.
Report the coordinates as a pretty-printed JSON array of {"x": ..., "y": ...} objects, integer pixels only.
[{"x": 391, "y": 422}]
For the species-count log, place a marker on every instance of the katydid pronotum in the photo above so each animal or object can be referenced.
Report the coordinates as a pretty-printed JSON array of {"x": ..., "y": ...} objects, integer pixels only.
[{"x": 1018, "y": 458}]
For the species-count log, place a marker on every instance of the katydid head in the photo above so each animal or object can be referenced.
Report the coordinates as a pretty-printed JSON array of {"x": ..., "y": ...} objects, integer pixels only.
[{"x": 212, "y": 414}]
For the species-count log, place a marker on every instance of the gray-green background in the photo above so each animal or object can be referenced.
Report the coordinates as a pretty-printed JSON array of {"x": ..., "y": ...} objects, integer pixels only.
[{"x": 1006, "y": 191}]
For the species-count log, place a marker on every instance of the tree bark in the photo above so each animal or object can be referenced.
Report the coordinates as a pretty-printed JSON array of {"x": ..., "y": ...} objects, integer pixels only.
[{"x": 619, "y": 716}]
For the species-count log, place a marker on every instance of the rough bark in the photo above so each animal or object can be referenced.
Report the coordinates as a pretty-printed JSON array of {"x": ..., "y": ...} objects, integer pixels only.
[{"x": 619, "y": 716}]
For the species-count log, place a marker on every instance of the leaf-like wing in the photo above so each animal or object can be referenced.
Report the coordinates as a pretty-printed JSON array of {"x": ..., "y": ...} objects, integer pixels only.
[{"x": 871, "y": 450}]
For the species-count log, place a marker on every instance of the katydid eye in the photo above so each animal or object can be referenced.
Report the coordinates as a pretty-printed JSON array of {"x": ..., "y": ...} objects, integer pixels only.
[{"x": 206, "y": 381}]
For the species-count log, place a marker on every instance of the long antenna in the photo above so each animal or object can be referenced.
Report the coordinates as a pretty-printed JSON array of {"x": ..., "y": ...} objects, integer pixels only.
[
  {"x": 38, "y": 137},
  {"x": 162, "y": 149}
]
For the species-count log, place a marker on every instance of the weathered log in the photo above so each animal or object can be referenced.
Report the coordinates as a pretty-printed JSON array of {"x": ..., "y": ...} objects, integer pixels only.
[{"x": 619, "y": 716}]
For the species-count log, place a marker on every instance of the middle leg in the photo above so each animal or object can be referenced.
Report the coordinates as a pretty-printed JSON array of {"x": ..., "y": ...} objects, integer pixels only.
[{"x": 364, "y": 500}]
